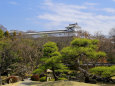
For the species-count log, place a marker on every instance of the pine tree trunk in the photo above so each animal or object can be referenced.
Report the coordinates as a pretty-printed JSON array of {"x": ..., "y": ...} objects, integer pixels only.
[{"x": 54, "y": 74}]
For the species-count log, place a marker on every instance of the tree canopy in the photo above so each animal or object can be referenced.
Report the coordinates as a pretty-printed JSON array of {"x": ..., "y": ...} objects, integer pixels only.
[
  {"x": 81, "y": 48},
  {"x": 51, "y": 59},
  {"x": 1, "y": 33},
  {"x": 104, "y": 71}
]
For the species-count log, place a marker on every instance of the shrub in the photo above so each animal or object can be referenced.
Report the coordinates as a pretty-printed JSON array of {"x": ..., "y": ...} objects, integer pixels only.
[
  {"x": 12, "y": 79},
  {"x": 104, "y": 71},
  {"x": 35, "y": 77},
  {"x": 43, "y": 79},
  {"x": 52, "y": 80},
  {"x": 62, "y": 79}
]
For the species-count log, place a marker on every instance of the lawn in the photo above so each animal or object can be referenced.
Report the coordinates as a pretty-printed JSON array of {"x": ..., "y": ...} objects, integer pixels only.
[
  {"x": 56, "y": 83},
  {"x": 72, "y": 83}
]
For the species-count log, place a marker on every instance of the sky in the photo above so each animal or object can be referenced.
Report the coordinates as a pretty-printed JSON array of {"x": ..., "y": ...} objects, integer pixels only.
[{"x": 45, "y": 15}]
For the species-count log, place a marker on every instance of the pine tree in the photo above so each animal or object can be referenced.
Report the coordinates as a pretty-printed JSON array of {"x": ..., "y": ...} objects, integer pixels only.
[
  {"x": 80, "y": 51},
  {"x": 51, "y": 60}
]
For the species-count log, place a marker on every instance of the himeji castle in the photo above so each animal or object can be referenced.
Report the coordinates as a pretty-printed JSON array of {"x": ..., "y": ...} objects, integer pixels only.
[{"x": 69, "y": 31}]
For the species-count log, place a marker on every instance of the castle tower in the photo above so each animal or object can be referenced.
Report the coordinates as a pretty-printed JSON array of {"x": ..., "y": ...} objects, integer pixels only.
[{"x": 73, "y": 27}]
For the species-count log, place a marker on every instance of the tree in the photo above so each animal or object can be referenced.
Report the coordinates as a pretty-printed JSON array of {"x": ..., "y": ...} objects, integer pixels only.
[
  {"x": 1, "y": 33},
  {"x": 107, "y": 44},
  {"x": 8, "y": 56},
  {"x": 5, "y": 61},
  {"x": 14, "y": 33},
  {"x": 51, "y": 60},
  {"x": 83, "y": 34},
  {"x": 112, "y": 32},
  {"x": 82, "y": 51},
  {"x": 29, "y": 53},
  {"x": 20, "y": 34},
  {"x": 6, "y": 34}
]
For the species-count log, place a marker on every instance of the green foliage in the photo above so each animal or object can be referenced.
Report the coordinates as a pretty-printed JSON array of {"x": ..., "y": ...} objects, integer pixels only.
[
  {"x": 80, "y": 42},
  {"x": 43, "y": 79},
  {"x": 6, "y": 34},
  {"x": 95, "y": 55},
  {"x": 62, "y": 78},
  {"x": 104, "y": 71},
  {"x": 1, "y": 33},
  {"x": 20, "y": 34},
  {"x": 49, "y": 48},
  {"x": 2, "y": 46},
  {"x": 29, "y": 55},
  {"x": 101, "y": 54},
  {"x": 83, "y": 42},
  {"x": 14, "y": 33},
  {"x": 24, "y": 55},
  {"x": 0, "y": 60},
  {"x": 81, "y": 48},
  {"x": 40, "y": 69},
  {"x": 69, "y": 52},
  {"x": 95, "y": 41},
  {"x": 51, "y": 59},
  {"x": 8, "y": 56},
  {"x": 52, "y": 80}
]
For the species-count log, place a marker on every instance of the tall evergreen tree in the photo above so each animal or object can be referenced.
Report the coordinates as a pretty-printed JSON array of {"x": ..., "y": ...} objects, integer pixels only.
[
  {"x": 82, "y": 51},
  {"x": 51, "y": 59}
]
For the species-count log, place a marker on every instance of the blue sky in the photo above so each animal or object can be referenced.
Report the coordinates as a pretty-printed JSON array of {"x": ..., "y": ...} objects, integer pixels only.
[{"x": 42, "y": 15}]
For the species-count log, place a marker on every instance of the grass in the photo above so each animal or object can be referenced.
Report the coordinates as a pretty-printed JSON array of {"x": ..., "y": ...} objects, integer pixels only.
[
  {"x": 67, "y": 83},
  {"x": 56, "y": 83},
  {"x": 113, "y": 77},
  {"x": 12, "y": 84}
]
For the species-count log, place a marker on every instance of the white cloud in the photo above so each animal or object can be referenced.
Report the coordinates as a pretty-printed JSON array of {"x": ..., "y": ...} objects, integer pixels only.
[
  {"x": 61, "y": 15},
  {"x": 110, "y": 10},
  {"x": 114, "y": 0},
  {"x": 13, "y": 3},
  {"x": 91, "y": 4},
  {"x": 48, "y": 2}
]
